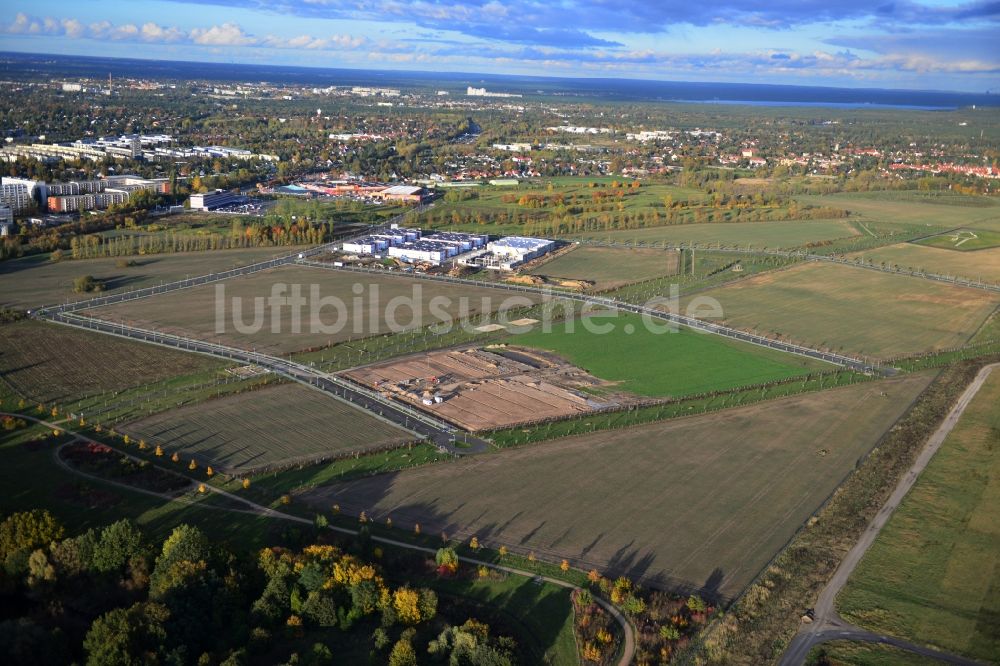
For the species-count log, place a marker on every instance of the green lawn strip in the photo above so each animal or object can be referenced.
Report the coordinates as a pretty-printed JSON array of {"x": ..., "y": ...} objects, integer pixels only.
[
  {"x": 855, "y": 653},
  {"x": 689, "y": 406},
  {"x": 668, "y": 364}
]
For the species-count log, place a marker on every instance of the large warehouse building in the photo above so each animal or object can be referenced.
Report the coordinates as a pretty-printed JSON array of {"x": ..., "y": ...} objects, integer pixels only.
[{"x": 411, "y": 246}]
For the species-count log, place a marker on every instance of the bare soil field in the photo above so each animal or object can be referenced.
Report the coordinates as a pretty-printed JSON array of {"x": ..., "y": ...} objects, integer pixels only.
[
  {"x": 701, "y": 502},
  {"x": 609, "y": 268},
  {"x": 369, "y": 305},
  {"x": 855, "y": 310},
  {"x": 264, "y": 427},
  {"x": 36, "y": 281},
  {"x": 480, "y": 390},
  {"x": 50, "y": 363}
]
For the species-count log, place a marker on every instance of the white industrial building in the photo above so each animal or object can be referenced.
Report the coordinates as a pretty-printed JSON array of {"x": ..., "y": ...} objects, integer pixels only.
[
  {"x": 508, "y": 253},
  {"x": 410, "y": 246},
  {"x": 521, "y": 248},
  {"x": 423, "y": 251},
  {"x": 213, "y": 200}
]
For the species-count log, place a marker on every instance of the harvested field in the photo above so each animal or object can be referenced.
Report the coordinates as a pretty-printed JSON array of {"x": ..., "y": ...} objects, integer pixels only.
[
  {"x": 482, "y": 390},
  {"x": 702, "y": 502},
  {"x": 269, "y": 426},
  {"x": 855, "y": 310},
  {"x": 371, "y": 304},
  {"x": 983, "y": 265},
  {"x": 609, "y": 268},
  {"x": 50, "y": 363},
  {"x": 35, "y": 281},
  {"x": 758, "y": 234},
  {"x": 933, "y": 574}
]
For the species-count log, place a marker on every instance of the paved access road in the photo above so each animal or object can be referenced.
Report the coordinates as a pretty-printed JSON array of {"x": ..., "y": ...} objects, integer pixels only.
[
  {"x": 827, "y": 625},
  {"x": 440, "y": 433}
]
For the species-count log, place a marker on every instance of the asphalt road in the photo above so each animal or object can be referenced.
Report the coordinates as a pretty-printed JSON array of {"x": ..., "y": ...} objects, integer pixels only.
[
  {"x": 827, "y": 625},
  {"x": 438, "y": 432}
]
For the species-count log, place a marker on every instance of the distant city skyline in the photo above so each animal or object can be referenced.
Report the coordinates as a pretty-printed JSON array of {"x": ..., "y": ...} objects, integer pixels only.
[{"x": 931, "y": 44}]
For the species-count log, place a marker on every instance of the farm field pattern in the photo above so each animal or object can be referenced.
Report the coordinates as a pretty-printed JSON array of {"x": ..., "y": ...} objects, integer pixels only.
[
  {"x": 609, "y": 268},
  {"x": 857, "y": 311},
  {"x": 192, "y": 312},
  {"x": 701, "y": 502},
  {"x": 271, "y": 425}
]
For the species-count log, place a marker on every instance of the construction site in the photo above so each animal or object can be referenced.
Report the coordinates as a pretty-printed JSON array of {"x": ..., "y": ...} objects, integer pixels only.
[{"x": 495, "y": 387}]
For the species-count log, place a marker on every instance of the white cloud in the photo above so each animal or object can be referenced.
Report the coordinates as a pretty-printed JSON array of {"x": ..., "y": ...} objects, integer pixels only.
[{"x": 227, "y": 34}]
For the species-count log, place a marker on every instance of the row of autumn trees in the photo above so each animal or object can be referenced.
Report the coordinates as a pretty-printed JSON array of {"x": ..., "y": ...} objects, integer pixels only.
[{"x": 112, "y": 596}]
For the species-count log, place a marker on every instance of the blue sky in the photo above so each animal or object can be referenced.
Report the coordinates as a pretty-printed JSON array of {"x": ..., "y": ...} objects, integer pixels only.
[{"x": 925, "y": 44}]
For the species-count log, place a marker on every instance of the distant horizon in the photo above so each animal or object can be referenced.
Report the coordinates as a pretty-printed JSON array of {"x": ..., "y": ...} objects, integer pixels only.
[
  {"x": 480, "y": 77},
  {"x": 946, "y": 45}
]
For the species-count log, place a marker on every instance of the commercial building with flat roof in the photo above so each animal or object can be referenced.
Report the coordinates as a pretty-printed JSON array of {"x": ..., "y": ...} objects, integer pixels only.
[{"x": 213, "y": 200}]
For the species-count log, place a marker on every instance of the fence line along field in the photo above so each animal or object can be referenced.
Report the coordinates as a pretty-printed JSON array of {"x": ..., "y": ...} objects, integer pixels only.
[
  {"x": 963, "y": 240},
  {"x": 609, "y": 268},
  {"x": 983, "y": 265},
  {"x": 855, "y": 310},
  {"x": 35, "y": 281},
  {"x": 758, "y": 234},
  {"x": 49, "y": 363},
  {"x": 266, "y": 427},
  {"x": 934, "y": 210},
  {"x": 933, "y": 574},
  {"x": 670, "y": 363},
  {"x": 702, "y": 502},
  {"x": 366, "y": 297}
]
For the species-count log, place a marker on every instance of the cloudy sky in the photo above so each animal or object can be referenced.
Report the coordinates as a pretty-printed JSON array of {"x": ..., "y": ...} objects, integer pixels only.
[{"x": 925, "y": 44}]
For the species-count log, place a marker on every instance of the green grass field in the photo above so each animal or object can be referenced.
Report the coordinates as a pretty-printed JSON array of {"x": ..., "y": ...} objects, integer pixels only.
[
  {"x": 32, "y": 479},
  {"x": 848, "y": 653},
  {"x": 963, "y": 240},
  {"x": 702, "y": 501},
  {"x": 855, "y": 310},
  {"x": 609, "y": 268},
  {"x": 50, "y": 363},
  {"x": 35, "y": 281},
  {"x": 672, "y": 363},
  {"x": 278, "y": 424},
  {"x": 758, "y": 234},
  {"x": 983, "y": 265},
  {"x": 193, "y": 312},
  {"x": 933, "y": 574},
  {"x": 916, "y": 209}
]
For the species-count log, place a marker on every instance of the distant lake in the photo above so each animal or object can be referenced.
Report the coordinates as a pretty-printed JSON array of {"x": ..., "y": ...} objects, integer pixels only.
[
  {"x": 26, "y": 65},
  {"x": 832, "y": 105}
]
